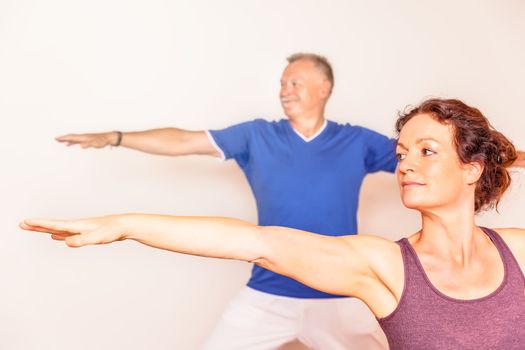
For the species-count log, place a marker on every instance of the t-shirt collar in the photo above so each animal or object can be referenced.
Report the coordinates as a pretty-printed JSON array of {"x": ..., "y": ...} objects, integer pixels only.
[{"x": 308, "y": 139}]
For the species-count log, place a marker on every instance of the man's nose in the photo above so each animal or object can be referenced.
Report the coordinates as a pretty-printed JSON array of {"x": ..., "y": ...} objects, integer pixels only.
[{"x": 285, "y": 90}]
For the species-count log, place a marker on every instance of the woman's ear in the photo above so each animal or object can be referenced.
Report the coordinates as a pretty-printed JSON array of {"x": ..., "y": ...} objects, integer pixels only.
[{"x": 473, "y": 172}]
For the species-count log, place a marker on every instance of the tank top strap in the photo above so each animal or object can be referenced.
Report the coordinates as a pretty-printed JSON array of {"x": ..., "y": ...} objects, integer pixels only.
[
  {"x": 409, "y": 255},
  {"x": 405, "y": 249},
  {"x": 514, "y": 270},
  {"x": 414, "y": 275}
]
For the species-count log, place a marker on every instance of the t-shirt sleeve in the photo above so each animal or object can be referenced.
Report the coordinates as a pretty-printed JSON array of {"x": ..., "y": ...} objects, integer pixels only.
[
  {"x": 381, "y": 152},
  {"x": 233, "y": 142}
]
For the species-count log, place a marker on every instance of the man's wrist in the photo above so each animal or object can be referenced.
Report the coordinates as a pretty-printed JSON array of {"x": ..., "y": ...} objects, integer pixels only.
[{"x": 118, "y": 140}]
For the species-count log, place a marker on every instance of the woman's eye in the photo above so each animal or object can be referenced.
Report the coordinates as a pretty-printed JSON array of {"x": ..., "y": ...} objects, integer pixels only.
[
  {"x": 427, "y": 152},
  {"x": 400, "y": 156}
]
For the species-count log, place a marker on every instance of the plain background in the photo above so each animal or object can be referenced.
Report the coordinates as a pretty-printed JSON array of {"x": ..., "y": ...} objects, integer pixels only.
[{"x": 86, "y": 66}]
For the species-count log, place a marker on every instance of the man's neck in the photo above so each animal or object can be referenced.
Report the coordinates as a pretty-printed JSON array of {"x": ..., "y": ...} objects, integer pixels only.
[{"x": 307, "y": 127}]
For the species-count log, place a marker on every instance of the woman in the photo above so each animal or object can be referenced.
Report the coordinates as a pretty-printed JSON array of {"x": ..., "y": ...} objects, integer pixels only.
[{"x": 451, "y": 285}]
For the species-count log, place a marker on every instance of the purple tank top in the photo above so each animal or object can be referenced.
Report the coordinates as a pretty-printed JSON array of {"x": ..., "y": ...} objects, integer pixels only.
[{"x": 426, "y": 319}]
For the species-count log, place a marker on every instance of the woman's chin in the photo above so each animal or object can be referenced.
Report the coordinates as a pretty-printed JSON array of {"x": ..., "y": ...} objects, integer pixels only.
[{"x": 412, "y": 204}]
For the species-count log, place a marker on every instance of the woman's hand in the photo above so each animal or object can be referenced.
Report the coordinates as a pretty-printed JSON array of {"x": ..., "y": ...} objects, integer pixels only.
[{"x": 78, "y": 233}]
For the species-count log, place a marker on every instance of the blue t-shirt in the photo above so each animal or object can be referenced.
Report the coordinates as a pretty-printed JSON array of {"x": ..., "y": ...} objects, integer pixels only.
[{"x": 308, "y": 185}]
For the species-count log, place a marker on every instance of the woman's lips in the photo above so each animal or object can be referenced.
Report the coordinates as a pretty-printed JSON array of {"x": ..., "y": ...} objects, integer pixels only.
[{"x": 411, "y": 184}]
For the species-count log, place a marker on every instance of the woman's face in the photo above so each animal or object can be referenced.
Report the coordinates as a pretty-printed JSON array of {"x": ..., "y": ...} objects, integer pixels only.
[{"x": 430, "y": 174}]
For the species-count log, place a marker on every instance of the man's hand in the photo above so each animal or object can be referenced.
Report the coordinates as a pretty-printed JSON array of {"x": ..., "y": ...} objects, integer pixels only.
[{"x": 99, "y": 140}]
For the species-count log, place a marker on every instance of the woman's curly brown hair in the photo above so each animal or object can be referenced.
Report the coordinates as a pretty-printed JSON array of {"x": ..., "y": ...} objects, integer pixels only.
[{"x": 476, "y": 141}]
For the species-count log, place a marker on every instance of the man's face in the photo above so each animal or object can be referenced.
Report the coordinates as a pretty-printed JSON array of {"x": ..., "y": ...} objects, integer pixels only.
[{"x": 304, "y": 89}]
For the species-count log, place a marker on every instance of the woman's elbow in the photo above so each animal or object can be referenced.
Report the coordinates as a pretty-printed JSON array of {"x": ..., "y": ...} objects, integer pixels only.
[{"x": 259, "y": 251}]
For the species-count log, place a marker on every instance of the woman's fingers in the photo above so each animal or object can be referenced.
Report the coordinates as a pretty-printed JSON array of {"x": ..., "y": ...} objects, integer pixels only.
[
  {"x": 57, "y": 226},
  {"x": 45, "y": 230}
]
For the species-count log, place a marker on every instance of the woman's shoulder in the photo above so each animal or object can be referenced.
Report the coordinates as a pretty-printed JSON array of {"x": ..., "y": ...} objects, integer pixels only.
[
  {"x": 374, "y": 244},
  {"x": 514, "y": 237},
  {"x": 384, "y": 255},
  {"x": 511, "y": 235},
  {"x": 381, "y": 254}
]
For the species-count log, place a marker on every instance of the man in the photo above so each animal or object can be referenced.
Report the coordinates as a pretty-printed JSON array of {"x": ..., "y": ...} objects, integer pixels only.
[{"x": 305, "y": 173}]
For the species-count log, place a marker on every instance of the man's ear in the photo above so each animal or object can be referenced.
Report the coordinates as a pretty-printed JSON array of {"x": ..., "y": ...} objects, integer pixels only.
[
  {"x": 473, "y": 172},
  {"x": 326, "y": 89}
]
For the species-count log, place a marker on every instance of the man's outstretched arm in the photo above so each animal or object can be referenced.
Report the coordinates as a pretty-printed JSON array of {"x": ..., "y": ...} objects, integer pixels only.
[{"x": 165, "y": 141}]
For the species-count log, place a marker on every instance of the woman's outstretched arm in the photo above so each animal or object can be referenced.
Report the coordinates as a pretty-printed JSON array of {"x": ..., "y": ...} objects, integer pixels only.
[
  {"x": 338, "y": 265},
  {"x": 211, "y": 237}
]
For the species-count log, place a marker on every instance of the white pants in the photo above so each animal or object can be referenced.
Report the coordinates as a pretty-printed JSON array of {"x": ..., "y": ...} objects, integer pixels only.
[{"x": 259, "y": 321}]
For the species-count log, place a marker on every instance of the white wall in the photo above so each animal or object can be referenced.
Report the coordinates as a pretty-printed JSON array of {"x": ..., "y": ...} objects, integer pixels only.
[{"x": 81, "y": 66}]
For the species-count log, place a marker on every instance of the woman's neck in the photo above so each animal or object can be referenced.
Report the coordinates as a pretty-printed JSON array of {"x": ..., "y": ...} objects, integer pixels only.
[{"x": 452, "y": 234}]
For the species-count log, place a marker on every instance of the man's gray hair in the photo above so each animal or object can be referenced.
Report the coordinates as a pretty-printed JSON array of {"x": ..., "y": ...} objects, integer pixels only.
[{"x": 319, "y": 61}]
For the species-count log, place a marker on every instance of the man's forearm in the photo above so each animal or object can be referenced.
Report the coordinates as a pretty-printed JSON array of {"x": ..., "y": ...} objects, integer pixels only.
[{"x": 167, "y": 141}]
